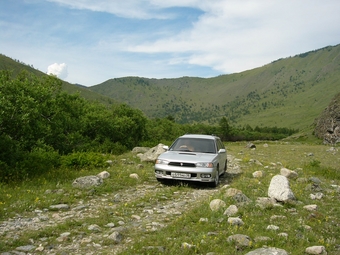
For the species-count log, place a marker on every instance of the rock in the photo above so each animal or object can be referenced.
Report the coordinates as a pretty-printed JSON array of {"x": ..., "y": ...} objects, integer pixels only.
[
  {"x": 104, "y": 175},
  {"x": 60, "y": 207},
  {"x": 327, "y": 126},
  {"x": 272, "y": 227},
  {"x": 332, "y": 150},
  {"x": 258, "y": 174},
  {"x": 26, "y": 248},
  {"x": 279, "y": 189},
  {"x": 316, "y": 250},
  {"x": 109, "y": 162},
  {"x": 259, "y": 239},
  {"x": 152, "y": 154},
  {"x": 277, "y": 217},
  {"x": 288, "y": 173},
  {"x": 87, "y": 182},
  {"x": 241, "y": 198},
  {"x": 283, "y": 234},
  {"x": 94, "y": 228},
  {"x": 187, "y": 246},
  {"x": 311, "y": 207},
  {"x": 251, "y": 146},
  {"x": 217, "y": 204},
  {"x": 116, "y": 237},
  {"x": 204, "y": 220},
  {"x": 268, "y": 251},
  {"x": 110, "y": 225},
  {"x": 240, "y": 240},
  {"x": 235, "y": 221},
  {"x": 140, "y": 149},
  {"x": 231, "y": 210},
  {"x": 318, "y": 196},
  {"x": 232, "y": 192},
  {"x": 315, "y": 180},
  {"x": 265, "y": 202},
  {"x": 160, "y": 249},
  {"x": 256, "y": 162},
  {"x": 134, "y": 176}
]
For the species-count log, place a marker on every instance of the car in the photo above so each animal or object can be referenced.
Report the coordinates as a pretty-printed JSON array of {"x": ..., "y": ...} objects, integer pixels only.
[{"x": 193, "y": 157}]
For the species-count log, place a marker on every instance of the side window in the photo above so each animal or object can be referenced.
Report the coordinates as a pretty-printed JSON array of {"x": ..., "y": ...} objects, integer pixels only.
[{"x": 220, "y": 145}]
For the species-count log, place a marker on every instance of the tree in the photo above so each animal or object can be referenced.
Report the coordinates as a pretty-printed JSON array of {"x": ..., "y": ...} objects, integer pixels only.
[{"x": 225, "y": 129}]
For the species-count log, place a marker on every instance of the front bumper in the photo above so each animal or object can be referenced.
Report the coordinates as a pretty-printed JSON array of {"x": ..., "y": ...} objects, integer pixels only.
[{"x": 167, "y": 172}]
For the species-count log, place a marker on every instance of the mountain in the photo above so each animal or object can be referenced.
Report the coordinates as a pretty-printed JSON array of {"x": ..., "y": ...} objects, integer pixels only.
[
  {"x": 289, "y": 92},
  {"x": 15, "y": 66}
]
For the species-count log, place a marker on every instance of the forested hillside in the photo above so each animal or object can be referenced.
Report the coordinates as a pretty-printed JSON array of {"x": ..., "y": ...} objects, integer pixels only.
[{"x": 289, "y": 92}]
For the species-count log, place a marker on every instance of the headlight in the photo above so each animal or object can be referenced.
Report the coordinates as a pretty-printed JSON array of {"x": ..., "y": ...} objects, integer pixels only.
[
  {"x": 162, "y": 162},
  {"x": 205, "y": 164}
]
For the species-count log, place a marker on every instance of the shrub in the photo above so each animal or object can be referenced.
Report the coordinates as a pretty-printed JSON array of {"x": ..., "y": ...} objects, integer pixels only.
[{"x": 83, "y": 160}]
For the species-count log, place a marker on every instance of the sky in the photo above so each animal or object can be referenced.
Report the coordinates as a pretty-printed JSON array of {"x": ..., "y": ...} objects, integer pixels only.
[{"x": 90, "y": 41}]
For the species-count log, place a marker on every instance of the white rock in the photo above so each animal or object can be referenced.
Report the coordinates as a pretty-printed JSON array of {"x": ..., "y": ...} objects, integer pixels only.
[
  {"x": 279, "y": 189},
  {"x": 316, "y": 250},
  {"x": 231, "y": 210},
  {"x": 217, "y": 204},
  {"x": 134, "y": 176},
  {"x": 311, "y": 207},
  {"x": 104, "y": 175}
]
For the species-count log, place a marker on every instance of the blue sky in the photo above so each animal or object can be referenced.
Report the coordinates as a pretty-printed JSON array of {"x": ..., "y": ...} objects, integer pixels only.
[{"x": 89, "y": 42}]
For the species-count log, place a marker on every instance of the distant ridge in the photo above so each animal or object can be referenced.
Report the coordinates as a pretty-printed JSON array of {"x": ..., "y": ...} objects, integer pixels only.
[{"x": 289, "y": 92}]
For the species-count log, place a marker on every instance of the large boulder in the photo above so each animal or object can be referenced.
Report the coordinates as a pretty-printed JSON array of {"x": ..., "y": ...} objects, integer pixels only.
[
  {"x": 152, "y": 154},
  {"x": 279, "y": 189},
  {"x": 327, "y": 126}
]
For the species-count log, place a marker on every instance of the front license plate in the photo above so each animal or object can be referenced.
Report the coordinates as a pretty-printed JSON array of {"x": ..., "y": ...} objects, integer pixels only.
[{"x": 180, "y": 175}]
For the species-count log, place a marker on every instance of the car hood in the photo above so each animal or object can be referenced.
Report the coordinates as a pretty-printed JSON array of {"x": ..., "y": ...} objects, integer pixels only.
[{"x": 182, "y": 156}]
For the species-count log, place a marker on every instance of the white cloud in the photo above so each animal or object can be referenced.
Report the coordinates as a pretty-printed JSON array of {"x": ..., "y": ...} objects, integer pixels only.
[
  {"x": 232, "y": 36},
  {"x": 59, "y": 70}
]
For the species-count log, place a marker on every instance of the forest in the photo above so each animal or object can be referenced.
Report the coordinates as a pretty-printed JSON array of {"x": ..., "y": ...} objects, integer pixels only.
[{"x": 42, "y": 127}]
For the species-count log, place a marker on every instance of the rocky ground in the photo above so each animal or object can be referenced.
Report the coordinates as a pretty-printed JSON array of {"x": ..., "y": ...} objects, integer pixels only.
[{"x": 115, "y": 235}]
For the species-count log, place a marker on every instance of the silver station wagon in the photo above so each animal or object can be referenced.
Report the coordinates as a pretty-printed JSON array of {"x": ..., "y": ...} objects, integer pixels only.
[{"x": 199, "y": 158}]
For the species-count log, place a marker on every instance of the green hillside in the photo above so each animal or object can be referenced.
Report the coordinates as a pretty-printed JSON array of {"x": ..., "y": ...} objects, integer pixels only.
[
  {"x": 289, "y": 92},
  {"x": 16, "y": 67}
]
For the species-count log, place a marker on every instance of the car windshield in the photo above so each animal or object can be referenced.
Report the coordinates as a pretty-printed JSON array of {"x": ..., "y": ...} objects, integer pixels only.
[{"x": 194, "y": 145}]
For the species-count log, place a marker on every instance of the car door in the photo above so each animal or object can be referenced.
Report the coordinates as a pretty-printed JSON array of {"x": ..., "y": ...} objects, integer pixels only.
[{"x": 222, "y": 156}]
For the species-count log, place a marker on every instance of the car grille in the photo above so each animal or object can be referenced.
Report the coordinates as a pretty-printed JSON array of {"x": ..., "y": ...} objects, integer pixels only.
[{"x": 182, "y": 164}]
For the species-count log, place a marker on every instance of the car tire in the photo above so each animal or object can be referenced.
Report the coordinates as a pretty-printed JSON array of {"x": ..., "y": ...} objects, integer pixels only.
[
  {"x": 214, "y": 184},
  {"x": 224, "y": 169}
]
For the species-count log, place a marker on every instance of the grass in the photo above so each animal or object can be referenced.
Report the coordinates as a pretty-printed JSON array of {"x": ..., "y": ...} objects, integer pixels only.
[{"x": 308, "y": 160}]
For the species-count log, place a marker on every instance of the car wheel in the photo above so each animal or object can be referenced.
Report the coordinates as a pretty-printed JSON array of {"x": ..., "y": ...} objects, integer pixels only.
[
  {"x": 224, "y": 169},
  {"x": 214, "y": 184}
]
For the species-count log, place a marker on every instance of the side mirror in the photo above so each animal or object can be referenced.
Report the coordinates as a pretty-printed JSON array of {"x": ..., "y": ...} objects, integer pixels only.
[
  {"x": 165, "y": 147},
  {"x": 222, "y": 151}
]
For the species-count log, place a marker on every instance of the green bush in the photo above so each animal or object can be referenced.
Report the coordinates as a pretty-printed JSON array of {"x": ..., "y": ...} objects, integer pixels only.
[{"x": 80, "y": 160}]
